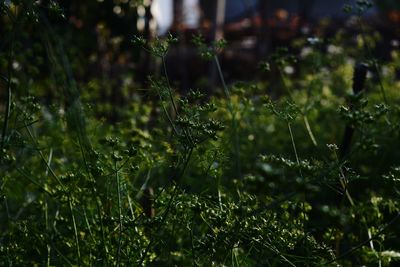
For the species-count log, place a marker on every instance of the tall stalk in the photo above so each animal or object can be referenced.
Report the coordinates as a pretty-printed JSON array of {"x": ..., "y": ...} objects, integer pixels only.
[
  {"x": 117, "y": 180},
  {"x": 78, "y": 250},
  {"x": 303, "y": 113},
  {"x": 233, "y": 115},
  {"x": 8, "y": 82}
]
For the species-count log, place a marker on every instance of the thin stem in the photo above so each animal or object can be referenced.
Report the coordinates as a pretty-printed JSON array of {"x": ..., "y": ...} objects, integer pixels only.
[
  {"x": 6, "y": 116},
  {"x": 275, "y": 250},
  {"x": 117, "y": 179},
  {"x": 131, "y": 207},
  {"x": 9, "y": 93},
  {"x": 46, "y": 216},
  {"x": 303, "y": 113},
  {"x": 25, "y": 175},
  {"x": 168, "y": 116},
  {"x": 169, "y": 205},
  {"x": 345, "y": 254},
  {"x": 221, "y": 76},
  {"x": 99, "y": 212},
  {"x": 46, "y": 212},
  {"x": 63, "y": 257},
  {"x": 233, "y": 114},
  {"x": 293, "y": 144},
  {"x": 309, "y": 131},
  {"x": 78, "y": 251},
  {"x": 48, "y": 167},
  {"x": 97, "y": 199},
  {"x": 219, "y": 191},
  {"x": 171, "y": 97},
  {"x": 343, "y": 182},
  {"x": 375, "y": 65},
  {"x": 192, "y": 243},
  {"x": 302, "y": 177},
  {"x": 88, "y": 226}
]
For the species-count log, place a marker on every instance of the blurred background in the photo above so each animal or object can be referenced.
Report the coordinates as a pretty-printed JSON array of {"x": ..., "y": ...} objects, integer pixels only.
[{"x": 97, "y": 38}]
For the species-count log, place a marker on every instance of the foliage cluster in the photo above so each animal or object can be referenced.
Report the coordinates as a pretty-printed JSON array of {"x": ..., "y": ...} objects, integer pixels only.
[{"x": 306, "y": 176}]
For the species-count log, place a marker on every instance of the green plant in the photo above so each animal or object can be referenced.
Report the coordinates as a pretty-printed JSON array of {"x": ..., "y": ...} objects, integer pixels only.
[{"x": 253, "y": 178}]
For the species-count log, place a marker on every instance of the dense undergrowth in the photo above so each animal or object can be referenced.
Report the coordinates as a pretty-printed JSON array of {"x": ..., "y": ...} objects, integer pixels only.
[{"x": 304, "y": 174}]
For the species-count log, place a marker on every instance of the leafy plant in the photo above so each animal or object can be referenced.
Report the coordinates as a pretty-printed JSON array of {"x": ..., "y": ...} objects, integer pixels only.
[{"x": 253, "y": 178}]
